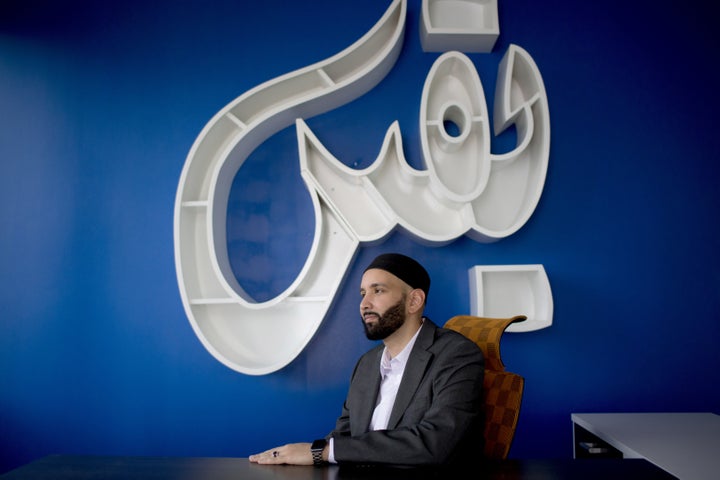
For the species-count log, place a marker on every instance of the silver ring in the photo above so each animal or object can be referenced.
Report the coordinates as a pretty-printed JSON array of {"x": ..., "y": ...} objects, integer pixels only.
[{"x": 275, "y": 453}]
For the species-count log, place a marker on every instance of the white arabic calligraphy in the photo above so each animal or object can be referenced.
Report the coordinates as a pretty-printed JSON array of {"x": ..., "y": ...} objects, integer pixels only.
[{"x": 465, "y": 190}]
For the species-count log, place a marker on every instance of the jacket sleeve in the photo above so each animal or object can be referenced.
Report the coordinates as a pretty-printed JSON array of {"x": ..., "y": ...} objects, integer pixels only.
[{"x": 361, "y": 397}]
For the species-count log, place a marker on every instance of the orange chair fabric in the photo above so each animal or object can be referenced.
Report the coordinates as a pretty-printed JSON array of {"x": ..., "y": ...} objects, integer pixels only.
[{"x": 502, "y": 390}]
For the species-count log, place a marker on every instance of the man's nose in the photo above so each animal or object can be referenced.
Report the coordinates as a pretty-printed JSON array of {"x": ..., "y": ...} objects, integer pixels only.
[{"x": 364, "y": 303}]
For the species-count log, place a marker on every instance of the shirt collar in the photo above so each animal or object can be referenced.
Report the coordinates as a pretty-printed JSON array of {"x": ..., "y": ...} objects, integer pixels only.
[{"x": 388, "y": 364}]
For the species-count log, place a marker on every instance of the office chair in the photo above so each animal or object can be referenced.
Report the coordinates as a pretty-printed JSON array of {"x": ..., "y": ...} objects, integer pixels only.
[{"x": 502, "y": 390}]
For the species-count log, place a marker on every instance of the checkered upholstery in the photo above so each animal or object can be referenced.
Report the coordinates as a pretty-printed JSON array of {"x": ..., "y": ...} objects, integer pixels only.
[{"x": 502, "y": 390}]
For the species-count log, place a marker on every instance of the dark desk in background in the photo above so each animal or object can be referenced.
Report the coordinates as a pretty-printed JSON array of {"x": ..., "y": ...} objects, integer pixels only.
[{"x": 62, "y": 467}]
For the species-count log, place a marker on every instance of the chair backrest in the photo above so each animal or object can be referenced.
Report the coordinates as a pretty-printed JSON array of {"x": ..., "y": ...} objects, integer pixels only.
[{"x": 503, "y": 390}]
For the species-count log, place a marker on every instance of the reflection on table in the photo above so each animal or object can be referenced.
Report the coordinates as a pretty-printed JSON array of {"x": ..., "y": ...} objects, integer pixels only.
[{"x": 66, "y": 467}]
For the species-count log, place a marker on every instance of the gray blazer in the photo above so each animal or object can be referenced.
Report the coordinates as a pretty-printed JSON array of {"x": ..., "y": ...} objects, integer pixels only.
[{"x": 437, "y": 417}]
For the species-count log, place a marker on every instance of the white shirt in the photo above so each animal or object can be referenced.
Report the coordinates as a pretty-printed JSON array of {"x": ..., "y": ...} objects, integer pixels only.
[{"x": 391, "y": 372}]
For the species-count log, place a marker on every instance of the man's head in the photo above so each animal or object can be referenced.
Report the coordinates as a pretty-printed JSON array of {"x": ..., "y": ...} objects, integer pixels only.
[{"x": 394, "y": 288}]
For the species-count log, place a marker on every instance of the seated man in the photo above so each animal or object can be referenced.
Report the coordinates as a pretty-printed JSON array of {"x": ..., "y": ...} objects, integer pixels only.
[{"x": 415, "y": 399}]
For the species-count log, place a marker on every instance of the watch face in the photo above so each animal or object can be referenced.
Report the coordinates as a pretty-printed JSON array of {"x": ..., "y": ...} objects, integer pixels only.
[{"x": 318, "y": 444}]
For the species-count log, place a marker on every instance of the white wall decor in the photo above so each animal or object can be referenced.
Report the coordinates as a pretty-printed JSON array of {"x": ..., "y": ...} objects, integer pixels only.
[
  {"x": 465, "y": 189},
  {"x": 464, "y": 25},
  {"x": 250, "y": 337},
  {"x": 502, "y": 291}
]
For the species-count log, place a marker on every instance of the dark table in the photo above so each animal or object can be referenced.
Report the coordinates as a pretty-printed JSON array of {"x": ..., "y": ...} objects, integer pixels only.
[{"x": 77, "y": 467}]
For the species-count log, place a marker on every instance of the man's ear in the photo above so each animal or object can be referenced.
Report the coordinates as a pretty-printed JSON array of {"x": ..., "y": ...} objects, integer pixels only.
[{"x": 416, "y": 300}]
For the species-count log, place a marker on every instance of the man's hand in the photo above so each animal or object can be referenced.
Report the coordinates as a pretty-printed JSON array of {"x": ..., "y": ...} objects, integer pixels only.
[{"x": 291, "y": 454}]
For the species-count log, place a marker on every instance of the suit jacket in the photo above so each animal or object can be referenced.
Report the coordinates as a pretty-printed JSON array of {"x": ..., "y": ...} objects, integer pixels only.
[{"x": 437, "y": 416}]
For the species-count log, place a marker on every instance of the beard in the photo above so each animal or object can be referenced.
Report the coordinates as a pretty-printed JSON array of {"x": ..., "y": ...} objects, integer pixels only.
[{"x": 387, "y": 323}]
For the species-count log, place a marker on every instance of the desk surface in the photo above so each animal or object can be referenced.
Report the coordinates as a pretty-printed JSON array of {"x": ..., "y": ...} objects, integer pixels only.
[
  {"x": 61, "y": 467},
  {"x": 685, "y": 444}
]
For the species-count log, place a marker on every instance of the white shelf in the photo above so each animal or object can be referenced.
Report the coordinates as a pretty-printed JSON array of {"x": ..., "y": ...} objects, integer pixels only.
[
  {"x": 465, "y": 190},
  {"x": 464, "y": 25},
  {"x": 503, "y": 291},
  {"x": 260, "y": 337},
  {"x": 454, "y": 128}
]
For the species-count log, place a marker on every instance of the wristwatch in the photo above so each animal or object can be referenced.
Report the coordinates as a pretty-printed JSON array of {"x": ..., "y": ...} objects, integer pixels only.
[{"x": 316, "y": 449}]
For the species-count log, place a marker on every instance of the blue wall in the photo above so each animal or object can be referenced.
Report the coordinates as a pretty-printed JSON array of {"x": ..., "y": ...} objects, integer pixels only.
[{"x": 101, "y": 101}]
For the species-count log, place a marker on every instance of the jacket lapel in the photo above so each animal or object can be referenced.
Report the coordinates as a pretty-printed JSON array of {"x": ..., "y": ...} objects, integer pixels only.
[
  {"x": 371, "y": 383},
  {"x": 414, "y": 371}
]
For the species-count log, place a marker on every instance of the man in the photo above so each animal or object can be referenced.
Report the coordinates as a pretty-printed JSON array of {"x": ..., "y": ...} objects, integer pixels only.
[{"x": 413, "y": 400}]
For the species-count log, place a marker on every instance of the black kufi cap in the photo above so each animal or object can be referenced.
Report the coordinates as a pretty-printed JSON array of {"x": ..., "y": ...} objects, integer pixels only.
[{"x": 405, "y": 268}]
